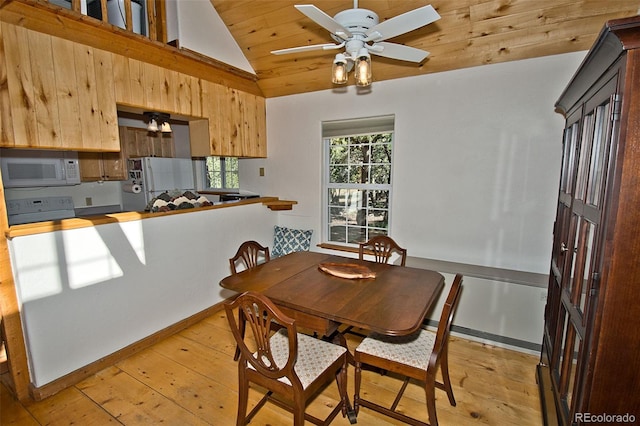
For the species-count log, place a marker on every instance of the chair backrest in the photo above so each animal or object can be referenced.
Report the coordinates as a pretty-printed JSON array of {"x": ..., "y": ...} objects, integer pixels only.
[
  {"x": 446, "y": 319},
  {"x": 382, "y": 246},
  {"x": 260, "y": 316},
  {"x": 250, "y": 253}
]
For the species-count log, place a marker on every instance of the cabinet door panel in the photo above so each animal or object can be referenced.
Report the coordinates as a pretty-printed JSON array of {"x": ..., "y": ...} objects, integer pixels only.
[
  {"x": 20, "y": 86},
  {"x": 106, "y": 101},
  {"x": 45, "y": 96},
  {"x": 90, "y": 118},
  {"x": 67, "y": 88}
]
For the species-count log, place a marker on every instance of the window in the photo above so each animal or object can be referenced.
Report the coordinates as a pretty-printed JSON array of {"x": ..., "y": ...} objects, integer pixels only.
[
  {"x": 358, "y": 161},
  {"x": 221, "y": 172}
]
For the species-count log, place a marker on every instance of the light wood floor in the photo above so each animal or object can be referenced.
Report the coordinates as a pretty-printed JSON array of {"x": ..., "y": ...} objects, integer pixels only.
[{"x": 191, "y": 379}]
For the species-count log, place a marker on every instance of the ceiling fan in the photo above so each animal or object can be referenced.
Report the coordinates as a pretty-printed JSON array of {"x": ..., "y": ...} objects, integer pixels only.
[{"x": 361, "y": 33}]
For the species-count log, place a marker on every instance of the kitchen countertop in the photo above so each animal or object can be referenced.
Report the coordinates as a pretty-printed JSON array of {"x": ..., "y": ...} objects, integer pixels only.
[{"x": 100, "y": 219}]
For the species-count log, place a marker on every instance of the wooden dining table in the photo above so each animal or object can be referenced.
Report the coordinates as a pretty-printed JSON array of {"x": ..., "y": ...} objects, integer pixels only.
[{"x": 393, "y": 303}]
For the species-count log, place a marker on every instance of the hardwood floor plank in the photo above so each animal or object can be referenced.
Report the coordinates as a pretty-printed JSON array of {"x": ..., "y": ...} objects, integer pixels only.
[
  {"x": 68, "y": 407},
  {"x": 12, "y": 412},
  {"x": 133, "y": 403},
  {"x": 191, "y": 378},
  {"x": 206, "y": 399}
]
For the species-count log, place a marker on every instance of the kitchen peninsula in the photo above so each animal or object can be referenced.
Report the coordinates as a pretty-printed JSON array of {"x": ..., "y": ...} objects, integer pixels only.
[
  {"x": 76, "y": 290},
  {"x": 93, "y": 290}
]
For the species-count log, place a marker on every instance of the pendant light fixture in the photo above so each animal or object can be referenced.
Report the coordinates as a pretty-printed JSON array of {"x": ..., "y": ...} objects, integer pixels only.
[{"x": 157, "y": 121}]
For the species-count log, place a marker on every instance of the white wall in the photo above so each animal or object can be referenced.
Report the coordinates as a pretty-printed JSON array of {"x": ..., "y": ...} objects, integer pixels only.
[
  {"x": 198, "y": 27},
  {"x": 86, "y": 293},
  {"x": 476, "y": 160}
]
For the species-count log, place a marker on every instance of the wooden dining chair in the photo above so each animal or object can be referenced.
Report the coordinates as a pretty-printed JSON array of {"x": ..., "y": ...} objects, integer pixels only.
[
  {"x": 249, "y": 253},
  {"x": 292, "y": 365},
  {"x": 382, "y": 247},
  {"x": 416, "y": 356}
]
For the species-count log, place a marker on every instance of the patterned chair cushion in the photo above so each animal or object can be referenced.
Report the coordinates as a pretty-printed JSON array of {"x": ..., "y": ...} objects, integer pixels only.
[
  {"x": 414, "y": 349},
  {"x": 314, "y": 356},
  {"x": 287, "y": 240}
]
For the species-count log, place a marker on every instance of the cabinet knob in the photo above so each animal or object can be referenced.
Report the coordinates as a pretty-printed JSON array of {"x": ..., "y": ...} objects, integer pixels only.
[{"x": 563, "y": 248}]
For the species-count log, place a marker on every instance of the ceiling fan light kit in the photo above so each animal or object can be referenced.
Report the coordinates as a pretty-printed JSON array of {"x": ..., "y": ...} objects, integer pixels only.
[{"x": 361, "y": 33}]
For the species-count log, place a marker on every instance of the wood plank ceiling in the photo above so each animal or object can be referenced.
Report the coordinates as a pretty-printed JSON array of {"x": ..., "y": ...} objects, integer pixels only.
[{"x": 470, "y": 33}]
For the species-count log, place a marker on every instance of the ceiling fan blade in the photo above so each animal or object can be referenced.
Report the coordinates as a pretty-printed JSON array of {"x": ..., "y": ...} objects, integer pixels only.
[
  {"x": 398, "y": 51},
  {"x": 307, "y": 48},
  {"x": 401, "y": 24},
  {"x": 324, "y": 20}
]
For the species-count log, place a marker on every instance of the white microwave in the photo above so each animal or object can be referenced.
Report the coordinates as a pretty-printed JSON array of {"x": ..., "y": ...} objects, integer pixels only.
[{"x": 32, "y": 168}]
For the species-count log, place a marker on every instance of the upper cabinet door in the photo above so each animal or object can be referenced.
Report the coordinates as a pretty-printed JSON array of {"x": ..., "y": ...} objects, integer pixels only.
[
  {"x": 237, "y": 123},
  {"x": 60, "y": 93}
]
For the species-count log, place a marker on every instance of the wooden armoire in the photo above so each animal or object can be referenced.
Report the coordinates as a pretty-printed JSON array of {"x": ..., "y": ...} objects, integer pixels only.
[{"x": 589, "y": 369}]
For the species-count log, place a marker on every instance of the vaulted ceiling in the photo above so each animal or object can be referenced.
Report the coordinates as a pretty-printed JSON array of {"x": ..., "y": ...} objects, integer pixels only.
[{"x": 470, "y": 33}]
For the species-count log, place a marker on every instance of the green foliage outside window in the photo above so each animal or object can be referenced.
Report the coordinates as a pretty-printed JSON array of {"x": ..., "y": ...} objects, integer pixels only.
[
  {"x": 222, "y": 172},
  {"x": 359, "y": 185}
]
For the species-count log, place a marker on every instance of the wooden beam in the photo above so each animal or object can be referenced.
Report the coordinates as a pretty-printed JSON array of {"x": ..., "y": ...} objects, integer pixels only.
[{"x": 10, "y": 312}]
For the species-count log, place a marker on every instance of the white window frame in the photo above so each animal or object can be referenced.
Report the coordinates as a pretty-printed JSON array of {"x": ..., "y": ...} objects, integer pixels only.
[
  {"x": 223, "y": 173},
  {"x": 347, "y": 128}
]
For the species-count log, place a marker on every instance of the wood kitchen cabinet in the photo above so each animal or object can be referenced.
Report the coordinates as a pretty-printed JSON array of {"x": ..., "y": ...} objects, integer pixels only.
[
  {"x": 60, "y": 93},
  {"x": 139, "y": 142},
  {"x": 237, "y": 123},
  {"x": 66, "y": 96},
  {"x": 101, "y": 166},
  {"x": 589, "y": 364}
]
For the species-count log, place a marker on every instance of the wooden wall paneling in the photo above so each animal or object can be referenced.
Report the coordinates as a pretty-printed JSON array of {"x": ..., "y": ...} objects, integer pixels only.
[
  {"x": 221, "y": 127},
  {"x": 167, "y": 145},
  {"x": 235, "y": 134},
  {"x": 6, "y": 121},
  {"x": 67, "y": 91},
  {"x": 122, "y": 80},
  {"x": 136, "y": 79},
  {"x": 184, "y": 95},
  {"x": 248, "y": 123},
  {"x": 196, "y": 97},
  {"x": 169, "y": 90},
  {"x": 212, "y": 107},
  {"x": 144, "y": 143},
  {"x": 46, "y": 100},
  {"x": 127, "y": 141},
  {"x": 110, "y": 140},
  {"x": 88, "y": 97},
  {"x": 258, "y": 113},
  {"x": 20, "y": 86},
  {"x": 152, "y": 83}
]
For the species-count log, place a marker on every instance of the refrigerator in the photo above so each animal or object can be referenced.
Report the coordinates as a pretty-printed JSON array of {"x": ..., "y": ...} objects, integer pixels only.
[{"x": 151, "y": 176}]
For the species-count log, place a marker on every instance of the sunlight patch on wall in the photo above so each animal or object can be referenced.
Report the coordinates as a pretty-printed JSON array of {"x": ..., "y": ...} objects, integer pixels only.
[
  {"x": 39, "y": 276},
  {"x": 89, "y": 259},
  {"x": 134, "y": 234}
]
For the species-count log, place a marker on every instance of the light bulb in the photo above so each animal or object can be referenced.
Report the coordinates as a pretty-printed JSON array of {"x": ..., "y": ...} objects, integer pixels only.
[
  {"x": 339, "y": 71},
  {"x": 363, "y": 68},
  {"x": 153, "y": 125}
]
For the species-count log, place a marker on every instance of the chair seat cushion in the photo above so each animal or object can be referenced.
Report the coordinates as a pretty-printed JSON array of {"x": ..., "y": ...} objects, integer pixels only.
[
  {"x": 413, "y": 350},
  {"x": 314, "y": 356}
]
